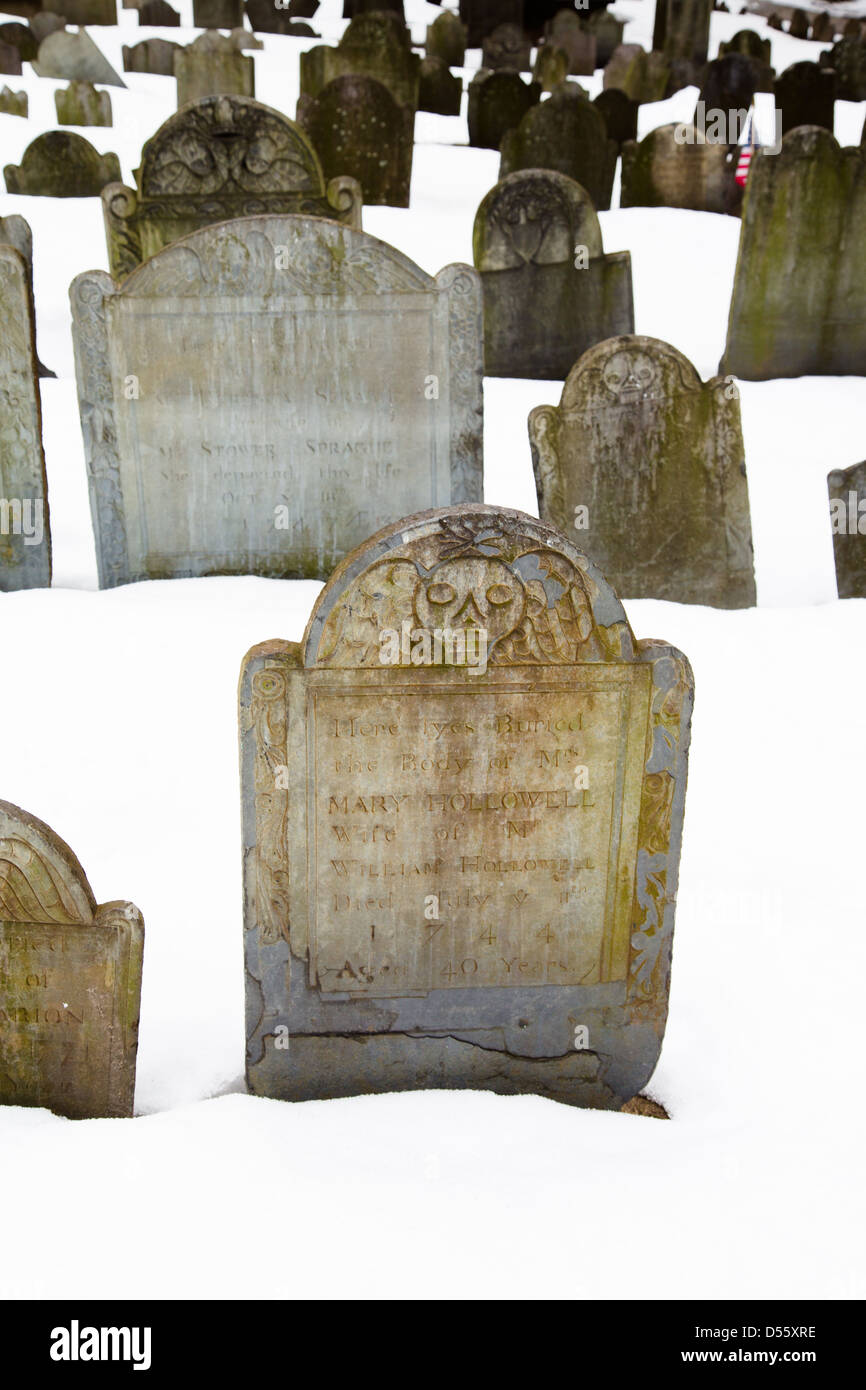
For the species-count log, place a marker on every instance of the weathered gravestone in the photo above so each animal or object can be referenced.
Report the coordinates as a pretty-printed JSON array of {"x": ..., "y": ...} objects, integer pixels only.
[
  {"x": 508, "y": 48},
  {"x": 82, "y": 104},
  {"x": 217, "y": 14},
  {"x": 566, "y": 31},
  {"x": 374, "y": 45},
  {"x": 359, "y": 129},
  {"x": 567, "y": 133},
  {"x": 461, "y": 873},
  {"x": 83, "y": 11},
  {"x": 481, "y": 17},
  {"x": 70, "y": 979},
  {"x": 549, "y": 290},
  {"x": 155, "y": 56},
  {"x": 25, "y": 538},
  {"x": 13, "y": 103},
  {"x": 158, "y": 14},
  {"x": 20, "y": 36},
  {"x": 730, "y": 83},
  {"x": 14, "y": 231},
  {"x": 440, "y": 90},
  {"x": 552, "y": 66},
  {"x": 607, "y": 31},
  {"x": 798, "y": 25},
  {"x": 646, "y": 462},
  {"x": 265, "y": 18},
  {"x": 212, "y": 66},
  {"x": 60, "y": 164},
  {"x": 496, "y": 103},
  {"x": 664, "y": 171},
  {"x": 682, "y": 29},
  {"x": 751, "y": 44},
  {"x": 446, "y": 39},
  {"x": 42, "y": 25},
  {"x": 219, "y": 158},
  {"x": 620, "y": 114},
  {"x": 798, "y": 306},
  {"x": 847, "y": 489},
  {"x": 642, "y": 76},
  {"x": 361, "y": 400},
  {"x": 805, "y": 95},
  {"x": 822, "y": 29},
  {"x": 847, "y": 59},
  {"x": 75, "y": 58},
  {"x": 244, "y": 41},
  {"x": 10, "y": 60}
]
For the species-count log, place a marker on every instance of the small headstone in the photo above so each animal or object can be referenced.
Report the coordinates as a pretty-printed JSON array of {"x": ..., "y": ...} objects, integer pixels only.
[
  {"x": 212, "y": 66},
  {"x": 359, "y": 402},
  {"x": 376, "y": 45},
  {"x": 549, "y": 290},
  {"x": 805, "y": 95},
  {"x": 217, "y": 14},
  {"x": 847, "y": 489},
  {"x": 42, "y": 24},
  {"x": 158, "y": 14},
  {"x": 799, "y": 300},
  {"x": 822, "y": 29},
  {"x": 440, "y": 90},
  {"x": 509, "y": 928},
  {"x": 646, "y": 463},
  {"x": 775, "y": 22},
  {"x": 552, "y": 66},
  {"x": 620, "y": 114},
  {"x": 481, "y": 17},
  {"x": 607, "y": 31},
  {"x": 496, "y": 103},
  {"x": 446, "y": 39},
  {"x": 642, "y": 76},
  {"x": 75, "y": 58},
  {"x": 567, "y": 133},
  {"x": 22, "y": 38},
  {"x": 70, "y": 979},
  {"x": 15, "y": 232},
  {"x": 566, "y": 31},
  {"x": 60, "y": 164},
  {"x": 847, "y": 58},
  {"x": 751, "y": 44},
  {"x": 13, "y": 103},
  {"x": 359, "y": 129},
  {"x": 665, "y": 171},
  {"x": 214, "y": 160},
  {"x": 155, "y": 56},
  {"x": 508, "y": 48},
  {"x": 730, "y": 83},
  {"x": 682, "y": 29},
  {"x": 83, "y": 11},
  {"x": 25, "y": 538},
  {"x": 798, "y": 25},
  {"x": 82, "y": 104}
]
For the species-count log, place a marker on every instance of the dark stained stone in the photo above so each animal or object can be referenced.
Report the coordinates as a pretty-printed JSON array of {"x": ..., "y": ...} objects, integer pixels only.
[
  {"x": 440, "y": 90},
  {"x": 567, "y": 133},
  {"x": 506, "y": 47},
  {"x": 10, "y": 60},
  {"x": 620, "y": 114},
  {"x": 155, "y": 56},
  {"x": 158, "y": 14},
  {"x": 481, "y": 17},
  {"x": 22, "y": 38},
  {"x": 682, "y": 29},
  {"x": 446, "y": 39},
  {"x": 217, "y": 14},
  {"x": 730, "y": 83},
  {"x": 847, "y": 58},
  {"x": 497, "y": 101},
  {"x": 60, "y": 164},
  {"x": 376, "y": 45},
  {"x": 359, "y": 129},
  {"x": 805, "y": 95},
  {"x": 751, "y": 44}
]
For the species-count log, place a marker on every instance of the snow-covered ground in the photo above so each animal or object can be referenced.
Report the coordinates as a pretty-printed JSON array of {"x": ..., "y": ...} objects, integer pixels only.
[{"x": 119, "y": 729}]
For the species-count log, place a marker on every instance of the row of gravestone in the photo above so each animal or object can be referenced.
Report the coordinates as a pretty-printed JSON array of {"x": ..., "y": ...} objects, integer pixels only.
[{"x": 500, "y": 918}]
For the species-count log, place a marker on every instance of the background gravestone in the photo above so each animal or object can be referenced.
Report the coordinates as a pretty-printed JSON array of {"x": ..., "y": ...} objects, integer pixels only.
[
  {"x": 43, "y": 24},
  {"x": 620, "y": 114},
  {"x": 798, "y": 25},
  {"x": 158, "y": 14},
  {"x": 822, "y": 29},
  {"x": 798, "y": 306},
  {"x": 83, "y": 11},
  {"x": 497, "y": 102},
  {"x": 82, "y": 104},
  {"x": 446, "y": 39},
  {"x": 70, "y": 979},
  {"x": 373, "y": 45},
  {"x": 566, "y": 31},
  {"x": 751, "y": 44},
  {"x": 265, "y": 18},
  {"x": 75, "y": 58},
  {"x": 643, "y": 76},
  {"x": 805, "y": 95},
  {"x": 682, "y": 29},
  {"x": 662, "y": 172},
  {"x": 502, "y": 908},
  {"x": 155, "y": 56},
  {"x": 20, "y": 36},
  {"x": 567, "y": 133},
  {"x": 481, "y": 17},
  {"x": 507, "y": 47},
  {"x": 440, "y": 90},
  {"x": 60, "y": 164},
  {"x": 212, "y": 66},
  {"x": 607, "y": 31},
  {"x": 357, "y": 127},
  {"x": 648, "y": 461},
  {"x": 25, "y": 536},
  {"x": 847, "y": 489},
  {"x": 14, "y": 231},
  {"x": 552, "y": 65},
  {"x": 217, "y": 14},
  {"x": 542, "y": 308},
  {"x": 219, "y": 158},
  {"x": 847, "y": 59},
  {"x": 10, "y": 60},
  {"x": 730, "y": 83},
  {"x": 361, "y": 400},
  {"x": 13, "y": 103}
]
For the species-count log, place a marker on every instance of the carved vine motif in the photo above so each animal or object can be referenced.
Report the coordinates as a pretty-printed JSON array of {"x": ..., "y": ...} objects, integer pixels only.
[
  {"x": 534, "y": 218},
  {"x": 30, "y": 888},
  {"x": 268, "y": 720}
]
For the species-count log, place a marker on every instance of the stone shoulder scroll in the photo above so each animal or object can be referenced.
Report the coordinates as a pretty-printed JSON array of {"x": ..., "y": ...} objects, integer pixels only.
[
  {"x": 461, "y": 872},
  {"x": 70, "y": 979}
]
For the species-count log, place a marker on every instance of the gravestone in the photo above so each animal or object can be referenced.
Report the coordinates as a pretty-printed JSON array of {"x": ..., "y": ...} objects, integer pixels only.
[
  {"x": 446, "y": 39},
  {"x": 219, "y": 158},
  {"x": 217, "y": 14},
  {"x": 374, "y": 45},
  {"x": 83, "y": 11},
  {"x": 682, "y": 29},
  {"x": 642, "y": 76},
  {"x": 10, "y": 60},
  {"x": 798, "y": 306},
  {"x": 439, "y": 90},
  {"x": 158, "y": 14},
  {"x": 751, "y": 44},
  {"x": 13, "y": 103},
  {"x": 155, "y": 56},
  {"x": 663, "y": 172},
  {"x": 847, "y": 58},
  {"x": 481, "y": 17},
  {"x": 358, "y": 128},
  {"x": 212, "y": 66},
  {"x": 730, "y": 83},
  {"x": 496, "y": 103},
  {"x": 552, "y": 66},
  {"x": 60, "y": 164},
  {"x": 508, "y": 48},
  {"x": 20, "y": 36},
  {"x": 847, "y": 489},
  {"x": 549, "y": 290},
  {"x": 360, "y": 403},
  {"x": 620, "y": 114},
  {"x": 82, "y": 104},
  {"x": 567, "y": 133},
  {"x": 607, "y": 31},
  {"x": 477, "y": 888},
  {"x": 265, "y": 18},
  {"x": 566, "y": 31},
  {"x": 70, "y": 979},
  {"x": 646, "y": 462},
  {"x": 42, "y": 25},
  {"x": 774, "y": 21},
  {"x": 75, "y": 58},
  {"x": 822, "y": 29},
  {"x": 25, "y": 537},
  {"x": 805, "y": 95},
  {"x": 14, "y": 231},
  {"x": 798, "y": 25},
  {"x": 244, "y": 41}
]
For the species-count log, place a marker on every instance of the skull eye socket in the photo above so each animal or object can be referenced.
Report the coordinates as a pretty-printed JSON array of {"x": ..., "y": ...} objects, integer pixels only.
[
  {"x": 499, "y": 594},
  {"x": 441, "y": 593}
]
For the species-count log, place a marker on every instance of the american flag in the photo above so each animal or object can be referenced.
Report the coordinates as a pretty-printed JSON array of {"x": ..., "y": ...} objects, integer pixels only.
[{"x": 747, "y": 149}]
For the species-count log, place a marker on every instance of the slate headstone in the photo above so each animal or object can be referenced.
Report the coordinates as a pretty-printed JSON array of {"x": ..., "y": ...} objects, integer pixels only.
[
  {"x": 663, "y": 171},
  {"x": 730, "y": 83},
  {"x": 75, "y": 58},
  {"x": 847, "y": 489},
  {"x": 25, "y": 537},
  {"x": 847, "y": 58},
  {"x": 566, "y": 31},
  {"x": 81, "y": 104},
  {"x": 358, "y": 128},
  {"x": 446, "y": 39},
  {"x": 798, "y": 25},
  {"x": 822, "y": 29},
  {"x": 373, "y": 45},
  {"x": 496, "y": 103},
  {"x": 440, "y": 90},
  {"x": 508, "y": 48},
  {"x": 805, "y": 95},
  {"x": 682, "y": 29},
  {"x": 158, "y": 14},
  {"x": 620, "y": 114},
  {"x": 155, "y": 56},
  {"x": 60, "y": 164},
  {"x": 212, "y": 66},
  {"x": 217, "y": 14},
  {"x": 567, "y": 133},
  {"x": 481, "y": 17}
]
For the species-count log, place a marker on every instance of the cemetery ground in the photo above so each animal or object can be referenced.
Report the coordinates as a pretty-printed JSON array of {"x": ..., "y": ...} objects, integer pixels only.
[{"x": 120, "y": 715}]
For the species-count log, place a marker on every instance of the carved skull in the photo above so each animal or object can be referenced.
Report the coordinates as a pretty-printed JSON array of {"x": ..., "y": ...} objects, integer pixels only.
[
  {"x": 472, "y": 592},
  {"x": 630, "y": 375}
]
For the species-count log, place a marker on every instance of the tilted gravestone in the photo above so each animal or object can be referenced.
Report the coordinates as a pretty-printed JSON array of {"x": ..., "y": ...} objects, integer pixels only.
[
  {"x": 219, "y": 158},
  {"x": 70, "y": 979},
  {"x": 730, "y": 83},
  {"x": 798, "y": 306},
  {"x": 496, "y": 103},
  {"x": 549, "y": 290},
  {"x": 663, "y": 171},
  {"x": 440, "y": 90},
  {"x": 359, "y": 129},
  {"x": 10, "y": 60},
  {"x": 682, "y": 29},
  {"x": 14, "y": 231},
  {"x": 159, "y": 14},
  {"x": 43, "y": 24},
  {"x": 506, "y": 47},
  {"x": 645, "y": 463},
  {"x": 20, "y": 36},
  {"x": 25, "y": 537},
  {"x": 60, "y": 164},
  {"x": 82, "y": 104},
  {"x": 643, "y": 76},
  {"x": 446, "y": 39},
  {"x": 212, "y": 65},
  {"x": 481, "y": 17},
  {"x": 566, "y": 31},
  {"x": 83, "y": 11},
  {"x": 155, "y": 56},
  {"x": 361, "y": 400},
  {"x": 552, "y": 66},
  {"x": 620, "y": 114},
  {"x": 806, "y": 95},
  {"x": 607, "y": 31},
  {"x": 13, "y": 103},
  {"x": 748, "y": 42},
  {"x": 75, "y": 58},
  {"x": 567, "y": 133},
  {"x": 217, "y": 14},
  {"x": 847, "y": 489},
  {"x": 374, "y": 45},
  {"x": 461, "y": 873}
]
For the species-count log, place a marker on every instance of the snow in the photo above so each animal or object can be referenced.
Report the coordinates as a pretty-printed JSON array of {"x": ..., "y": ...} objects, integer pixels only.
[{"x": 120, "y": 723}]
